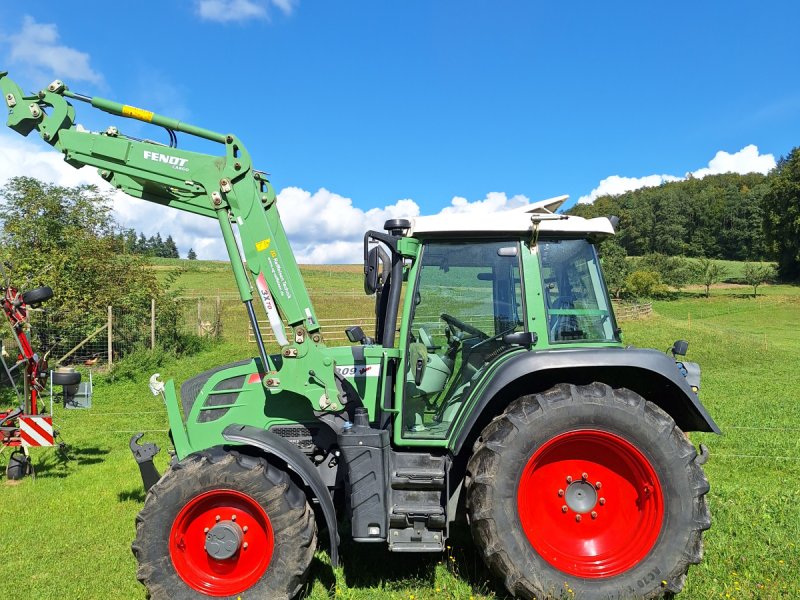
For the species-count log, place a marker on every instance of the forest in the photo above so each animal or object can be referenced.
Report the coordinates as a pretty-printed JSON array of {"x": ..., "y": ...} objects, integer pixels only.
[{"x": 749, "y": 217}]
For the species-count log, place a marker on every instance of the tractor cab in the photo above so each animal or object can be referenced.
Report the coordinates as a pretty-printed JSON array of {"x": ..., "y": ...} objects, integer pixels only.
[{"x": 477, "y": 289}]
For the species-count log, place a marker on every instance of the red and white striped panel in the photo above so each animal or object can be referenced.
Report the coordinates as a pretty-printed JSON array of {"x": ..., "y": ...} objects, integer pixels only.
[{"x": 36, "y": 431}]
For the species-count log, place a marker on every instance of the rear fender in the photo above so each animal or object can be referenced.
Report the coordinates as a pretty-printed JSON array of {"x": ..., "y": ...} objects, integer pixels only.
[
  {"x": 649, "y": 373},
  {"x": 273, "y": 445}
]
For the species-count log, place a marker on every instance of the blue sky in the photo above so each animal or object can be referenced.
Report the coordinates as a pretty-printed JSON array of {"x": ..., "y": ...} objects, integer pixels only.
[{"x": 361, "y": 110}]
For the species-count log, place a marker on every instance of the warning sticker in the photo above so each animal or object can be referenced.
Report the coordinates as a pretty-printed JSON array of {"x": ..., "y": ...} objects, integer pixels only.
[{"x": 262, "y": 245}]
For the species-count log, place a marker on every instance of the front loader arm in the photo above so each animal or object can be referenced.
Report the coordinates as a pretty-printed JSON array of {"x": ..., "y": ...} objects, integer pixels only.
[{"x": 224, "y": 187}]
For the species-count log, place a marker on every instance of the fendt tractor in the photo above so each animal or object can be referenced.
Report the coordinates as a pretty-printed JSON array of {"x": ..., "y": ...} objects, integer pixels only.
[{"x": 495, "y": 390}]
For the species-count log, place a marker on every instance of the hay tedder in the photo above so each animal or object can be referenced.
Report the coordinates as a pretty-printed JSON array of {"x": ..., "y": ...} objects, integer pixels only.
[
  {"x": 27, "y": 426},
  {"x": 495, "y": 391}
]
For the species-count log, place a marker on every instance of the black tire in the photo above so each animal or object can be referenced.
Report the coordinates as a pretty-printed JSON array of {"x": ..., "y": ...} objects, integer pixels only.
[
  {"x": 526, "y": 451},
  {"x": 214, "y": 471},
  {"x": 19, "y": 465},
  {"x": 37, "y": 295},
  {"x": 66, "y": 378}
]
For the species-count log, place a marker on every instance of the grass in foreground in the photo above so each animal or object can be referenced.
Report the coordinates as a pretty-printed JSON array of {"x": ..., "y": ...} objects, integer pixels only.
[{"x": 69, "y": 531}]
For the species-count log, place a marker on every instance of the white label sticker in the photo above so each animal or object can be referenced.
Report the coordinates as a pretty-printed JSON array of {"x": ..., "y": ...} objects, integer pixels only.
[{"x": 358, "y": 370}]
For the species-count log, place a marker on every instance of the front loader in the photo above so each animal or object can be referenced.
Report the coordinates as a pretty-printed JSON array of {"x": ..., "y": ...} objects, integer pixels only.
[{"x": 495, "y": 388}]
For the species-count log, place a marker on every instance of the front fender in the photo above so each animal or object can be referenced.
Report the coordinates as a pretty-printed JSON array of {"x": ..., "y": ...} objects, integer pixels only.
[
  {"x": 649, "y": 373},
  {"x": 274, "y": 445}
]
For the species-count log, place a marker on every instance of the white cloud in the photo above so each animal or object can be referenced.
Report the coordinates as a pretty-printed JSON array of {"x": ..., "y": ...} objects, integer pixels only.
[
  {"x": 225, "y": 11},
  {"x": 746, "y": 160},
  {"x": 285, "y": 6},
  {"x": 616, "y": 185},
  {"x": 36, "y": 47},
  {"x": 323, "y": 227},
  {"x": 494, "y": 202}
]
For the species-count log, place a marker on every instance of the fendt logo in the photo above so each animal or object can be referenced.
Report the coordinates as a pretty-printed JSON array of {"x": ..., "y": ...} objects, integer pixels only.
[{"x": 178, "y": 163}]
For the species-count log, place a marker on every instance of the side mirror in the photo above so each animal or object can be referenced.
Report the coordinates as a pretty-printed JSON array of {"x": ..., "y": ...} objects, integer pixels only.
[
  {"x": 520, "y": 338},
  {"x": 375, "y": 269},
  {"x": 680, "y": 348},
  {"x": 356, "y": 335}
]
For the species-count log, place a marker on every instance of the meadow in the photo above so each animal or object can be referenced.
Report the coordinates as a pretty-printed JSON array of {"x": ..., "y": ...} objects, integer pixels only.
[{"x": 68, "y": 532}]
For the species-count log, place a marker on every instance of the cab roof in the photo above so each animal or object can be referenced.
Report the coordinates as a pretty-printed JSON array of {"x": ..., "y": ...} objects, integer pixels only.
[{"x": 517, "y": 221}]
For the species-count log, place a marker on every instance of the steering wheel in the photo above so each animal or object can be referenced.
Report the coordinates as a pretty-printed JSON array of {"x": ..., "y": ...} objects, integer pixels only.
[{"x": 465, "y": 327}]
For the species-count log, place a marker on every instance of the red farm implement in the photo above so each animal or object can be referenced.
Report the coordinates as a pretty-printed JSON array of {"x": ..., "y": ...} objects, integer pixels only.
[{"x": 27, "y": 425}]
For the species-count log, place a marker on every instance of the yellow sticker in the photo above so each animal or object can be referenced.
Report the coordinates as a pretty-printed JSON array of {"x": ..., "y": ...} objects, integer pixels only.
[
  {"x": 262, "y": 245},
  {"x": 137, "y": 113}
]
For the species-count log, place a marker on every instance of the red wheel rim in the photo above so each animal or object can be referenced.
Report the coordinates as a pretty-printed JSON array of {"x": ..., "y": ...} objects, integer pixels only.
[
  {"x": 590, "y": 503},
  {"x": 187, "y": 542}
]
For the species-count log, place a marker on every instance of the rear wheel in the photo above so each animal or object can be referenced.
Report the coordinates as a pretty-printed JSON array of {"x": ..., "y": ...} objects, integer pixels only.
[
  {"x": 219, "y": 524},
  {"x": 587, "y": 491}
]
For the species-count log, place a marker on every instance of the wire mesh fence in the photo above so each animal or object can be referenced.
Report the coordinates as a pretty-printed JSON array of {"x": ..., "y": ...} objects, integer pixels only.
[{"x": 101, "y": 337}]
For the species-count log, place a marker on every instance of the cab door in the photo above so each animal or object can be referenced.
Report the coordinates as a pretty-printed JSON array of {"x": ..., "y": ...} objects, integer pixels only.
[{"x": 466, "y": 297}]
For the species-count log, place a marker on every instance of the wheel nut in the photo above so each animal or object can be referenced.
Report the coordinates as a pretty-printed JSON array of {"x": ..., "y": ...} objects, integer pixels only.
[
  {"x": 560, "y": 493},
  {"x": 564, "y": 508},
  {"x": 598, "y": 485},
  {"x": 584, "y": 476},
  {"x": 216, "y": 518},
  {"x": 233, "y": 517},
  {"x": 245, "y": 528},
  {"x": 602, "y": 501},
  {"x": 245, "y": 545},
  {"x": 569, "y": 478},
  {"x": 594, "y": 515},
  {"x": 205, "y": 530},
  {"x": 577, "y": 518}
]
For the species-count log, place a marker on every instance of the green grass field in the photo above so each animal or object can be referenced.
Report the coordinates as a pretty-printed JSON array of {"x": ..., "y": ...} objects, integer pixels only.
[{"x": 68, "y": 532}]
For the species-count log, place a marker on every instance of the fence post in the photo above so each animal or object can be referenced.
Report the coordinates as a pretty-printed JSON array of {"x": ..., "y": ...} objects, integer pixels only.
[
  {"x": 199, "y": 319},
  {"x": 218, "y": 318},
  {"x": 110, "y": 338},
  {"x": 152, "y": 323}
]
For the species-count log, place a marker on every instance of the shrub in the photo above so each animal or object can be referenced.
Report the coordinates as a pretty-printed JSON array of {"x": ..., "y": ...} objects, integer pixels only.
[{"x": 645, "y": 284}]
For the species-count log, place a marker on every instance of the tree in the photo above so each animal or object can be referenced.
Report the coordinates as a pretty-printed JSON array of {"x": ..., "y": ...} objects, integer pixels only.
[
  {"x": 615, "y": 266},
  {"x": 170, "y": 248},
  {"x": 141, "y": 244},
  {"x": 191, "y": 255},
  {"x": 781, "y": 206},
  {"x": 710, "y": 272},
  {"x": 66, "y": 238},
  {"x": 755, "y": 275}
]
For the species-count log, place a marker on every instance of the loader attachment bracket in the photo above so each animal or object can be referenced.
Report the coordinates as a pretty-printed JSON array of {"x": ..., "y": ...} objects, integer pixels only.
[{"x": 143, "y": 455}]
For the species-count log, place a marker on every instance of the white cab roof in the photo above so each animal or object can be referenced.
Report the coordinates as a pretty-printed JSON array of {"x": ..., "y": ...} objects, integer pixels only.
[{"x": 519, "y": 220}]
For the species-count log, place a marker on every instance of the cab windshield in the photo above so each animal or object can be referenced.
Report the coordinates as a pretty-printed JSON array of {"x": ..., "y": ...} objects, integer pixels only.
[{"x": 577, "y": 305}]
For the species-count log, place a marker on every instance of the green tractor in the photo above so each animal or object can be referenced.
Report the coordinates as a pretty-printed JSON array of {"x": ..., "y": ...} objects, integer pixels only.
[{"x": 495, "y": 389}]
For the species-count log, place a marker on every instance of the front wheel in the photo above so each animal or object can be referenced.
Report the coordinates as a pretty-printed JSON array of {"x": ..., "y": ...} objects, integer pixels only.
[
  {"x": 220, "y": 523},
  {"x": 587, "y": 492}
]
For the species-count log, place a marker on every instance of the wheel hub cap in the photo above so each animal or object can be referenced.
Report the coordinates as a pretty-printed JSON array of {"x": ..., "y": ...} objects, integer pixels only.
[
  {"x": 581, "y": 497},
  {"x": 224, "y": 540}
]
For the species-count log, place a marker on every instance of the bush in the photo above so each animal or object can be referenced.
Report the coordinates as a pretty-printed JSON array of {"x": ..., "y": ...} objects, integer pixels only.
[
  {"x": 645, "y": 284},
  {"x": 140, "y": 361},
  {"x": 674, "y": 271}
]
